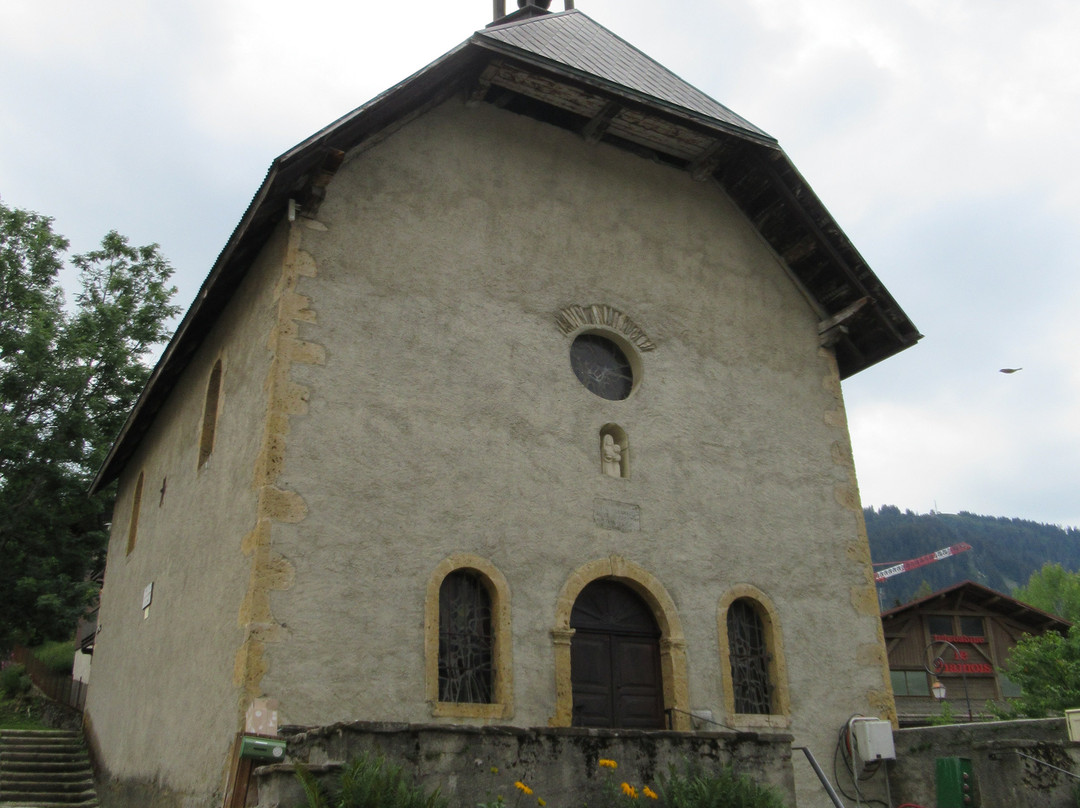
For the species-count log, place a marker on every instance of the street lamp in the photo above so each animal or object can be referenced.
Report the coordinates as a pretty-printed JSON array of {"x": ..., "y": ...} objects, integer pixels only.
[{"x": 937, "y": 665}]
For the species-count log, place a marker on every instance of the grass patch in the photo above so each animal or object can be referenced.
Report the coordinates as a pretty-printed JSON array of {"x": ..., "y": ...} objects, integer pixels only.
[{"x": 21, "y": 713}]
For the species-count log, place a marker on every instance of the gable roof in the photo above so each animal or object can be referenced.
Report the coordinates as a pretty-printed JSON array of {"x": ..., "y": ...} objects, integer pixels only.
[
  {"x": 568, "y": 71},
  {"x": 572, "y": 41},
  {"x": 969, "y": 593}
]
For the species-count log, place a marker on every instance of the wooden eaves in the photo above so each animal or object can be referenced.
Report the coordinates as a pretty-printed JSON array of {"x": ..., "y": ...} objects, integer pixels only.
[{"x": 860, "y": 320}]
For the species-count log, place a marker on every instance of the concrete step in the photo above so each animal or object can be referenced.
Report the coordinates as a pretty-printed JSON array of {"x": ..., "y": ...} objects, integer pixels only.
[
  {"x": 45, "y": 769},
  {"x": 9, "y": 788}
]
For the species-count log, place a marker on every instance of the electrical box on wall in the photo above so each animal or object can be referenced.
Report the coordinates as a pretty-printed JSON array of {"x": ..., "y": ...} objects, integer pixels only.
[
  {"x": 872, "y": 739},
  {"x": 1072, "y": 722},
  {"x": 262, "y": 748}
]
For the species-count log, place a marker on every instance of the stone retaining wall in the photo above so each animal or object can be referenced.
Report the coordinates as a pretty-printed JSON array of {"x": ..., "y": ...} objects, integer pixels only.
[
  {"x": 1016, "y": 764},
  {"x": 475, "y": 764}
]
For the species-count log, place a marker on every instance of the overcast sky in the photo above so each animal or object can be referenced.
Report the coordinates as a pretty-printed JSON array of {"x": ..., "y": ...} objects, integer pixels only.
[{"x": 943, "y": 135}]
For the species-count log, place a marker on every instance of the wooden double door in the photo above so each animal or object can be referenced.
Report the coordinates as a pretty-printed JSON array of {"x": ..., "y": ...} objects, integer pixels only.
[{"x": 615, "y": 659}]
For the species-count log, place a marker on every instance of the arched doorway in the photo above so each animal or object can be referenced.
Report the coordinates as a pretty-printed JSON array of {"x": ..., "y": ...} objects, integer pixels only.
[{"x": 615, "y": 670}]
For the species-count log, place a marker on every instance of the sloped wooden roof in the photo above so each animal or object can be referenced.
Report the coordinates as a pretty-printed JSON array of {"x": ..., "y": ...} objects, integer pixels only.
[
  {"x": 568, "y": 71},
  {"x": 970, "y": 594}
]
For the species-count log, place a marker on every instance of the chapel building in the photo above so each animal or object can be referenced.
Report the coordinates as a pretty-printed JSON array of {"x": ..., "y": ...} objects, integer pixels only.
[{"x": 515, "y": 399}]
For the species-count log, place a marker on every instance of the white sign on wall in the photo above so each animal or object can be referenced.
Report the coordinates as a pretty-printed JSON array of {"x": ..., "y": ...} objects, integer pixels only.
[{"x": 147, "y": 595}]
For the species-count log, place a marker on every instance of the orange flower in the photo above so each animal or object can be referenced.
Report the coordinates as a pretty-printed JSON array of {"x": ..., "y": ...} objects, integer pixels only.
[
  {"x": 648, "y": 792},
  {"x": 607, "y": 764},
  {"x": 629, "y": 791},
  {"x": 520, "y": 786}
]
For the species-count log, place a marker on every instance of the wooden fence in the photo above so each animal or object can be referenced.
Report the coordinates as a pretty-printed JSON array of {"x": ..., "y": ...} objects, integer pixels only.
[{"x": 59, "y": 687}]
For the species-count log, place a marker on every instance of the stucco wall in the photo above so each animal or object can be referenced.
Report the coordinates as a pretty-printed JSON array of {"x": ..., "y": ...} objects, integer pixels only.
[
  {"x": 445, "y": 419},
  {"x": 163, "y": 705}
]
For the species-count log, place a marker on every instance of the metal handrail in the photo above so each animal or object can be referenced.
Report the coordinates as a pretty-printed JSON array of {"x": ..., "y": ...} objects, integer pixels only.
[{"x": 821, "y": 776}]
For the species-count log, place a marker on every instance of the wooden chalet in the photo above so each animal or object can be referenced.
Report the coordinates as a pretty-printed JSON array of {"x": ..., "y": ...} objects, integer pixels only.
[{"x": 959, "y": 637}]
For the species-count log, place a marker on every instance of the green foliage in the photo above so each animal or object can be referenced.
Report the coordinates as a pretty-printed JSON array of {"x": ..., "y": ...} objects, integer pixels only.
[
  {"x": 68, "y": 377},
  {"x": 14, "y": 681},
  {"x": 1053, "y": 589},
  {"x": 58, "y": 656},
  {"x": 22, "y": 712},
  {"x": 1047, "y": 669},
  {"x": 944, "y": 718},
  {"x": 367, "y": 782},
  {"x": 1005, "y": 552},
  {"x": 694, "y": 788}
]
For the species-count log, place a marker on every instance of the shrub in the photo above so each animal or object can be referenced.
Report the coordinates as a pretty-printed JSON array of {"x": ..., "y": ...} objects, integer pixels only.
[
  {"x": 14, "y": 682},
  {"x": 58, "y": 657},
  {"x": 694, "y": 788},
  {"x": 368, "y": 782}
]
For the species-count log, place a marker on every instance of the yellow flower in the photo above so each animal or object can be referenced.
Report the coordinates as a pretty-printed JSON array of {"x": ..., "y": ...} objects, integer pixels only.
[
  {"x": 629, "y": 791},
  {"x": 494, "y": 769},
  {"x": 648, "y": 792},
  {"x": 607, "y": 764},
  {"x": 520, "y": 786},
  {"x": 540, "y": 802}
]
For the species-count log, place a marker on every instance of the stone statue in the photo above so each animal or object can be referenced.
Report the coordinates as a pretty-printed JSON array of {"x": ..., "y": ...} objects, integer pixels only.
[{"x": 611, "y": 457}]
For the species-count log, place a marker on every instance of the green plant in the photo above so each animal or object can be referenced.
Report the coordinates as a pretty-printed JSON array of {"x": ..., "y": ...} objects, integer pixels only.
[
  {"x": 945, "y": 718},
  {"x": 57, "y": 656},
  {"x": 13, "y": 681},
  {"x": 23, "y": 712},
  {"x": 693, "y": 787},
  {"x": 367, "y": 782}
]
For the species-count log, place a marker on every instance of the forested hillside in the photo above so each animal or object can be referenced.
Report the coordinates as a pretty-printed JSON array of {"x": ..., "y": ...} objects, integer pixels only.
[{"x": 1004, "y": 551}]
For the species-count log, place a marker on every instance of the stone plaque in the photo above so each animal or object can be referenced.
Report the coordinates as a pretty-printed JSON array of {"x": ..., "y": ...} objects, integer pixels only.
[{"x": 611, "y": 515}]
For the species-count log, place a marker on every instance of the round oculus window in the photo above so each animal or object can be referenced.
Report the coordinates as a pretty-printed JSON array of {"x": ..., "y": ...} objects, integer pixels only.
[{"x": 602, "y": 366}]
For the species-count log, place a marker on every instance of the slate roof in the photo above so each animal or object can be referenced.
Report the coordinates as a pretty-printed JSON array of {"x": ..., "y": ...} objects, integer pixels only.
[
  {"x": 573, "y": 40},
  {"x": 566, "y": 70}
]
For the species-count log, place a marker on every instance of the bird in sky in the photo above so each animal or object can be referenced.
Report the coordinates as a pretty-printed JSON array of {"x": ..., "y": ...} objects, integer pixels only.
[{"x": 1009, "y": 370}]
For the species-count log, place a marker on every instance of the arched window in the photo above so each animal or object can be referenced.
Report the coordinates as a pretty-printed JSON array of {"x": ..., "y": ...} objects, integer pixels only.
[
  {"x": 133, "y": 523},
  {"x": 210, "y": 414},
  {"x": 752, "y": 659},
  {"x": 750, "y": 682},
  {"x": 467, "y": 640}
]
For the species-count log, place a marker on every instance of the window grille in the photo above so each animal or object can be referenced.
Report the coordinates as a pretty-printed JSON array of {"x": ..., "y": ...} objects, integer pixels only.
[
  {"x": 466, "y": 640},
  {"x": 749, "y": 659}
]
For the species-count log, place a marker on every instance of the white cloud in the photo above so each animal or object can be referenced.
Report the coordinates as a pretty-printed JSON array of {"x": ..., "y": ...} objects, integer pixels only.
[{"x": 940, "y": 133}]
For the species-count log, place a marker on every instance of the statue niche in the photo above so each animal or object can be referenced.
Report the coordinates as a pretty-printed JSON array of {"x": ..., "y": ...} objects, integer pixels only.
[{"x": 614, "y": 452}]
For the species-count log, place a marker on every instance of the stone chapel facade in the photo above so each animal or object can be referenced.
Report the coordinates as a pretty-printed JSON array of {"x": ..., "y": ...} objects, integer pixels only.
[{"x": 515, "y": 398}]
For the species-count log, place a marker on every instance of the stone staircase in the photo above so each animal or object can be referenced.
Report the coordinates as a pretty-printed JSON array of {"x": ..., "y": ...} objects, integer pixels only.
[{"x": 45, "y": 769}]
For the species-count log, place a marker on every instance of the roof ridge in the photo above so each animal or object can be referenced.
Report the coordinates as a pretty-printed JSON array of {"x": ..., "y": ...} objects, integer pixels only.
[{"x": 573, "y": 40}]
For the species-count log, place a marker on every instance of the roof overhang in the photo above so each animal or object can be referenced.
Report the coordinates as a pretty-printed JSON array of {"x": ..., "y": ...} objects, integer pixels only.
[{"x": 859, "y": 319}]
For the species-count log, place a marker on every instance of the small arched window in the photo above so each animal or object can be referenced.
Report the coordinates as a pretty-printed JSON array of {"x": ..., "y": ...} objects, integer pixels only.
[
  {"x": 750, "y": 658},
  {"x": 467, "y": 640},
  {"x": 210, "y": 414},
  {"x": 136, "y": 505}
]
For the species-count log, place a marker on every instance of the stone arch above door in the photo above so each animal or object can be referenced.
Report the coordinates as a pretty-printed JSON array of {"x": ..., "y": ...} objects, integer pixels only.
[{"x": 672, "y": 640}]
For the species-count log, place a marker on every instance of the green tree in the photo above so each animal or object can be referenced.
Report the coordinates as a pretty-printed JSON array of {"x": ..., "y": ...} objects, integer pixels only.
[
  {"x": 1047, "y": 669},
  {"x": 1053, "y": 589},
  {"x": 68, "y": 377}
]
